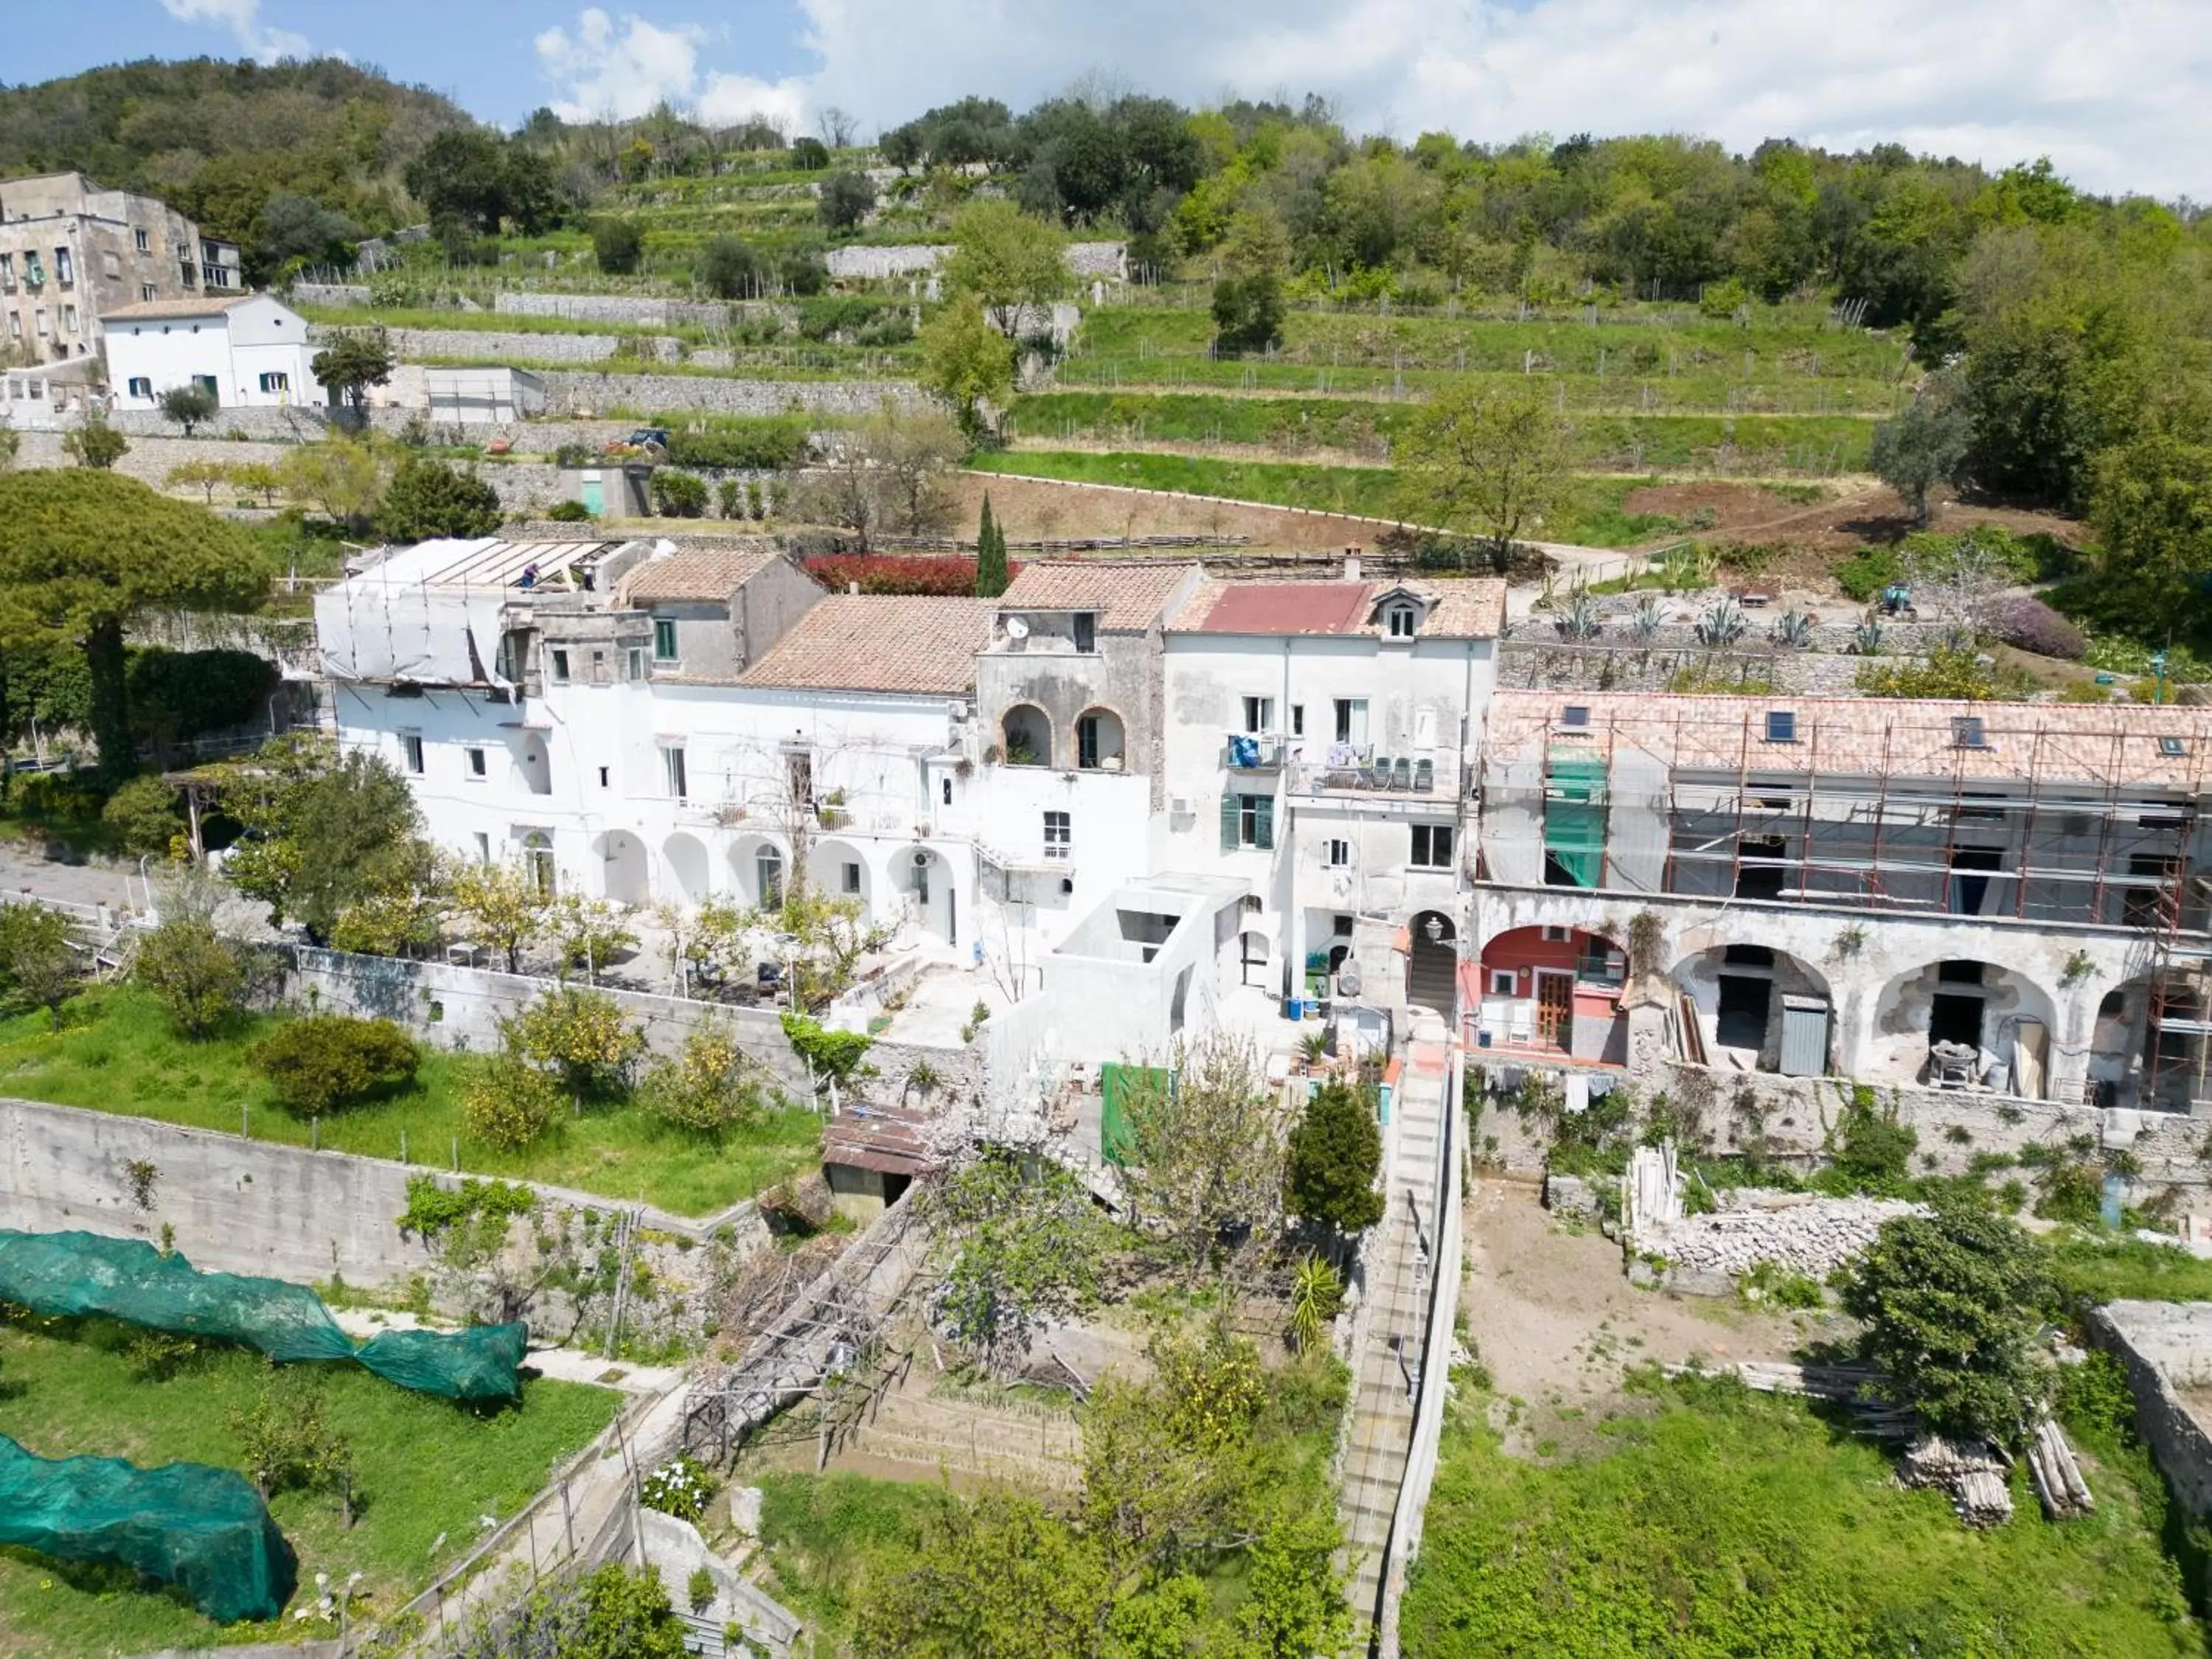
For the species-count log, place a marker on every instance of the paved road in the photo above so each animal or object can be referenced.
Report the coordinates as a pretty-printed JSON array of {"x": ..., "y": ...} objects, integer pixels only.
[{"x": 100, "y": 881}]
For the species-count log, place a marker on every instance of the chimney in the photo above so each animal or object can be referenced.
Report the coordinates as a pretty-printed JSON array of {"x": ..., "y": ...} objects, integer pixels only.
[
  {"x": 1351, "y": 564},
  {"x": 853, "y": 588}
]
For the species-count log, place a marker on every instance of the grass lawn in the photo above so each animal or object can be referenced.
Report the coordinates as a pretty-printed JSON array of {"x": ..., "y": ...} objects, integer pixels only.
[
  {"x": 829, "y": 1537},
  {"x": 116, "y": 1053},
  {"x": 427, "y": 1470},
  {"x": 1730, "y": 1523},
  {"x": 1592, "y": 516}
]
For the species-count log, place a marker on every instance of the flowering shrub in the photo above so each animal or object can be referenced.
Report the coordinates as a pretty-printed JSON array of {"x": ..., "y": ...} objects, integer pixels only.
[
  {"x": 879, "y": 573},
  {"x": 2034, "y": 626},
  {"x": 677, "y": 1488}
]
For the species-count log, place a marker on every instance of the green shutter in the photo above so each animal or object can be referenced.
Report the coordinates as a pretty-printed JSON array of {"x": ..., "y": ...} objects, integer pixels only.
[
  {"x": 1263, "y": 821},
  {"x": 1229, "y": 805}
]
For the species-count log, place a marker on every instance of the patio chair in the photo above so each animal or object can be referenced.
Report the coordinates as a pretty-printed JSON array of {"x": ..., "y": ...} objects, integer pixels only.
[
  {"x": 1379, "y": 773},
  {"x": 1424, "y": 776},
  {"x": 1401, "y": 773}
]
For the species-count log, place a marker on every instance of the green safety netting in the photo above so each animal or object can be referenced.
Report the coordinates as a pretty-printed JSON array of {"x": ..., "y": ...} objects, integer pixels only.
[
  {"x": 129, "y": 1279},
  {"x": 1574, "y": 813},
  {"x": 183, "y": 1523}
]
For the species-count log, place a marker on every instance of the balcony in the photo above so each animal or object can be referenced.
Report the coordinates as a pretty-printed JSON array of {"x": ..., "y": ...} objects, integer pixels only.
[
  {"x": 1349, "y": 771},
  {"x": 1252, "y": 751}
]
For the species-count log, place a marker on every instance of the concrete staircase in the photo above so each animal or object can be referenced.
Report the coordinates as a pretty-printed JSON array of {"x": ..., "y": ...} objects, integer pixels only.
[{"x": 1387, "y": 1364}]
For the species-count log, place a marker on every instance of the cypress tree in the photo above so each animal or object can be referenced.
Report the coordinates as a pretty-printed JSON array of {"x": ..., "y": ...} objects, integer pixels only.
[{"x": 990, "y": 556}]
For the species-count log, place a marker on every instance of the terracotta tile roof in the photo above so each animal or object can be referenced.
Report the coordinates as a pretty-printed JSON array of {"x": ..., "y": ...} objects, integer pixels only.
[
  {"x": 154, "y": 311},
  {"x": 1863, "y": 737},
  {"x": 1460, "y": 609},
  {"x": 1128, "y": 598},
  {"x": 697, "y": 573},
  {"x": 880, "y": 642}
]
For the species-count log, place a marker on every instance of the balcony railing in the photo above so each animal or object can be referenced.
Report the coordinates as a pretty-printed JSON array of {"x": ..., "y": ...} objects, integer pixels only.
[
  {"x": 1250, "y": 751},
  {"x": 1343, "y": 771}
]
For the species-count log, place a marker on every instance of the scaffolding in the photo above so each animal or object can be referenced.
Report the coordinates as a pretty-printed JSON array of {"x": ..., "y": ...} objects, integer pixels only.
[{"x": 2064, "y": 816}]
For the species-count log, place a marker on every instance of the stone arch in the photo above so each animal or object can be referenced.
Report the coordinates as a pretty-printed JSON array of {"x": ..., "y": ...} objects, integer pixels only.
[
  {"x": 760, "y": 871},
  {"x": 1102, "y": 740},
  {"x": 924, "y": 877},
  {"x": 625, "y": 869},
  {"x": 1740, "y": 992},
  {"x": 688, "y": 868},
  {"x": 1025, "y": 730},
  {"x": 1969, "y": 1004},
  {"x": 538, "y": 862},
  {"x": 1556, "y": 989},
  {"x": 837, "y": 869}
]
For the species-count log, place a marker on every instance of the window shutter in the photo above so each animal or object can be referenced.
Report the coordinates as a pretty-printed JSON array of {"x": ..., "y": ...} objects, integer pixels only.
[
  {"x": 1263, "y": 821},
  {"x": 1229, "y": 805}
]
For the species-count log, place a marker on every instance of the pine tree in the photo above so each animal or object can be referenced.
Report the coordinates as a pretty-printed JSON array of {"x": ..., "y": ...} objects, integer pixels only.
[{"x": 990, "y": 556}]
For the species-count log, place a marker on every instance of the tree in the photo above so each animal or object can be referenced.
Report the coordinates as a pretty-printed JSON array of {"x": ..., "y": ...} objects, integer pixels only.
[
  {"x": 298, "y": 230},
  {"x": 286, "y": 1441},
  {"x": 321, "y": 831},
  {"x": 257, "y": 478},
  {"x": 1915, "y": 451},
  {"x": 429, "y": 498},
  {"x": 1953, "y": 1301},
  {"x": 1485, "y": 459},
  {"x": 731, "y": 269},
  {"x": 499, "y": 905},
  {"x": 588, "y": 932},
  {"x": 582, "y": 1035},
  {"x": 507, "y": 1103},
  {"x": 203, "y": 475},
  {"x": 617, "y": 244},
  {"x": 471, "y": 181},
  {"x": 1000, "y": 1578},
  {"x": 712, "y": 1086},
  {"x": 38, "y": 965},
  {"x": 990, "y": 555},
  {"x": 11, "y": 443},
  {"x": 968, "y": 365},
  {"x": 1205, "y": 1153},
  {"x": 2151, "y": 504},
  {"x": 320, "y": 1062},
  {"x": 809, "y": 156},
  {"x": 342, "y": 477},
  {"x": 1004, "y": 260},
  {"x": 95, "y": 444},
  {"x": 188, "y": 405},
  {"x": 83, "y": 552},
  {"x": 1247, "y": 297},
  {"x": 143, "y": 815},
  {"x": 1030, "y": 1250},
  {"x": 1335, "y": 1155},
  {"x": 845, "y": 200},
  {"x": 353, "y": 360},
  {"x": 198, "y": 976},
  {"x": 677, "y": 494}
]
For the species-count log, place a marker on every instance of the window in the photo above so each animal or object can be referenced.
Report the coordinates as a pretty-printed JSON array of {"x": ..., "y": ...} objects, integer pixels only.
[
  {"x": 1298, "y": 720},
  {"x": 1058, "y": 835},
  {"x": 1086, "y": 631},
  {"x": 277, "y": 380},
  {"x": 476, "y": 769},
  {"x": 1336, "y": 855},
  {"x": 69, "y": 320},
  {"x": 671, "y": 761},
  {"x": 1402, "y": 621},
  {"x": 560, "y": 667},
  {"x": 1575, "y": 713},
  {"x": 1432, "y": 847},
  {"x": 147, "y": 292},
  {"x": 538, "y": 853},
  {"x": 1958, "y": 971},
  {"x": 852, "y": 877},
  {"x": 633, "y": 663},
  {"x": 605, "y": 783},
  {"x": 207, "y": 384},
  {"x": 1248, "y": 821},
  {"x": 7, "y": 270},
  {"x": 598, "y": 668},
  {"x": 484, "y": 847},
  {"x": 1781, "y": 726},
  {"x": 65, "y": 265},
  {"x": 110, "y": 266},
  {"x": 1557, "y": 935},
  {"x": 145, "y": 243},
  {"x": 140, "y": 386},
  {"x": 1968, "y": 733},
  {"x": 664, "y": 639},
  {"x": 15, "y": 324},
  {"x": 412, "y": 742},
  {"x": 1504, "y": 983},
  {"x": 948, "y": 792},
  {"x": 1259, "y": 714},
  {"x": 1352, "y": 721},
  {"x": 42, "y": 320},
  {"x": 2173, "y": 748}
]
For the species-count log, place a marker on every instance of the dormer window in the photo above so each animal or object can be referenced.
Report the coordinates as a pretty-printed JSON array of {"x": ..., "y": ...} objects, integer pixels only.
[{"x": 1402, "y": 620}]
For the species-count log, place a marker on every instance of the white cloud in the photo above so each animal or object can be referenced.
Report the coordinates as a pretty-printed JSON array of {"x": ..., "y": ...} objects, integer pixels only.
[
  {"x": 605, "y": 68},
  {"x": 242, "y": 18},
  {"x": 2118, "y": 93}
]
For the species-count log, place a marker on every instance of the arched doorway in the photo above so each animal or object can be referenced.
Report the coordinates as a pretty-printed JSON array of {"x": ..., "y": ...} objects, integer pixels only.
[
  {"x": 625, "y": 877},
  {"x": 1252, "y": 956},
  {"x": 538, "y": 860},
  {"x": 836, "y": 869},
  {"x": 926, "y": 878},
  {"x": 687, "y": 868},
  {"x": 1432, "y": 964},
  {"x": 1027, "y": 730},
  {"x": 1964, "y": 1023},
  {"x": 537, "y": 770},
  {"x": 1759, "y": 1007},
  {"x": 1101, "y": 742},
  {"x": 756, "y": 867}
]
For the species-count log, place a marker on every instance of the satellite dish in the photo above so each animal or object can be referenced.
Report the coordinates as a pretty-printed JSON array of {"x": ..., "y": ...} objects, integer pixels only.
[{"x": 1017, "y": 628}]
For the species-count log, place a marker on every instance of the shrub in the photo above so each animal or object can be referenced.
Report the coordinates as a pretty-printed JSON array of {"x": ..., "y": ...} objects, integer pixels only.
[
  {"x": 730, "y": 269},
  {"x": 809, "y": 156},
  {"x": 176, "y": 695},
  {"x": 1867, "y": 571},
  {"x": 567, "y": 512},
  {"x": 833, "y": 314},
  {"x": 731, "y": 498},
  {"x": 324, "y": 1061},
  {"x": 2034, "y": 626},
  {"x": 713, "y": 1085},
  {"x": 951, "y": 576},
  {"x": 678, "y": 1487},
  {"x": 507, "y": 1103},
  {"x": 678, "y": 495},
  {"x": 1946, "y": 672},
  {"x": 764, "y": 445},
  {"x": 196, "y": 974},
  {"x": 617, "y": 245},
  {"x": 143, "y": 815},
  {"x": 427, "y": 498}
]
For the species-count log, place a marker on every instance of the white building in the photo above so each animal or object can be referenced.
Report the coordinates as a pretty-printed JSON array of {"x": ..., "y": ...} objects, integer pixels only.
[{"x": 250, "y": 350}]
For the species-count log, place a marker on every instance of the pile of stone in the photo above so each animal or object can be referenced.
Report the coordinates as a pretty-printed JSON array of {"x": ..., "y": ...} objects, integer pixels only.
[{"x": 1796, "y": 1233}]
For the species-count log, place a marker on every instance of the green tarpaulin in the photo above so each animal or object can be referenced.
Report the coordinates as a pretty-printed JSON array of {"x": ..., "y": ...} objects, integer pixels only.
[
  {"x": 1574, "y": 813},
  {"x": 129, "y": 1279},
  {"x": 183, "y": 1524},
  {"x": 1116, "y": 1082}
]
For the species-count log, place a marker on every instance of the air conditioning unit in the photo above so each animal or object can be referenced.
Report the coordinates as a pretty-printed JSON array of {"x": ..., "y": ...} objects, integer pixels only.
[{"x": 920, "y": 860}]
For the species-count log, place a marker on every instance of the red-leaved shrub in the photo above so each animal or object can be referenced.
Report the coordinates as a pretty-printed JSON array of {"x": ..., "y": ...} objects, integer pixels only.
[
  {"x": 2034, "y": 626},
  {"x": 889, "y": 573}
]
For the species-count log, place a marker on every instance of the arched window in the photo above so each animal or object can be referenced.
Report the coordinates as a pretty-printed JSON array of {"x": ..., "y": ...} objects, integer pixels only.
[
  {"x": 538, "y": 858},
  {"x": 1028, "y": 732}
]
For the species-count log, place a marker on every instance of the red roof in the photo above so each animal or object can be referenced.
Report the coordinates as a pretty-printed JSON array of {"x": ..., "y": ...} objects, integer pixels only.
[{"x": 1286, "y": 608}]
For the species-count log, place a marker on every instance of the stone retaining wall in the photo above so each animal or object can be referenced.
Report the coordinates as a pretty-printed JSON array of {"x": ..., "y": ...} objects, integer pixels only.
[
  {"x": 571, "y": 391},
  {"x": 2166, "y": 1348}
]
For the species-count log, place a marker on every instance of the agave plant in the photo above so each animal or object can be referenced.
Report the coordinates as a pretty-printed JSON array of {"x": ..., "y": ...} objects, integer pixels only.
[
  {"x": 1646, "y": 620},
  {"x": 1722, "y": 623},
  {"x": 1866, "y": 638},
  {"x": 1317, "y": 1292},
  {"x": 1793, "y": 628},
  {"x": 1580, "y": 619}
]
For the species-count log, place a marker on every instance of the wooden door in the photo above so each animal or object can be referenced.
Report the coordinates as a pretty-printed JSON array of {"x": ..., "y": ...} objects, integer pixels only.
[{"x": 1555, "y": 1008}]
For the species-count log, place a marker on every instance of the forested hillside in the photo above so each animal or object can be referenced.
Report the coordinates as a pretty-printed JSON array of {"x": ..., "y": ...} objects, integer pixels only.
[{"x": 219, "y": 141}]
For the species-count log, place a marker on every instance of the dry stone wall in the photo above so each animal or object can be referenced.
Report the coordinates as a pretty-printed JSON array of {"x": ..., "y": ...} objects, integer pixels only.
[
  {"x": 1796, "y": 1232},
  {"x": 573, "y": 391}
]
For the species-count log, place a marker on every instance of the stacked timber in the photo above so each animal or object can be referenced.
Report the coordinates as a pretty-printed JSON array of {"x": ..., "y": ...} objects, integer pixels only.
[
  {"x": 2058, "y": 1483},
  {"x": 1973, "y": 1473}
]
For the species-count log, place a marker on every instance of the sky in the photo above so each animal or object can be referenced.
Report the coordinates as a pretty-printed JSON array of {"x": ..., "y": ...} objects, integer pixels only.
[{"x": 2117, "y": 92}]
